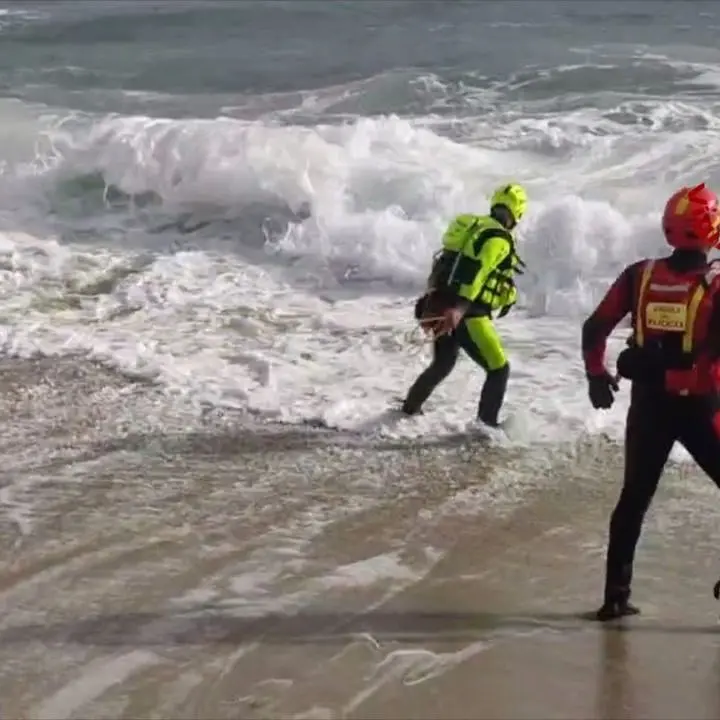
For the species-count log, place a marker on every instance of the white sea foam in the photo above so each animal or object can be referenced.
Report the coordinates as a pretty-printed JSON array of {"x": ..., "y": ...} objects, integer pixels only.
[{"x": 307, "y": 318}]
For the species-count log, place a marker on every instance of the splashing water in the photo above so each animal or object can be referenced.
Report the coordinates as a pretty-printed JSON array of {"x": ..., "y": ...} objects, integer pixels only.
[{"x": 270, "y": 264}]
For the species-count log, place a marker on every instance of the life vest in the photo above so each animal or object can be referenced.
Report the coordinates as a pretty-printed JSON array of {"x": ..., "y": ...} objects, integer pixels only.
[
  {"x": 457, "y": 263},
  {"x": 673, "y": 310}
]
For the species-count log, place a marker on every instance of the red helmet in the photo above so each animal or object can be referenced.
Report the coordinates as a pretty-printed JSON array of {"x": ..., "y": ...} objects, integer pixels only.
[{"x": 691, "y": 220}]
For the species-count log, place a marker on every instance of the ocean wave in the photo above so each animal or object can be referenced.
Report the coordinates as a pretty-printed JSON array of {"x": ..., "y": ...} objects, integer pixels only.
[
  {"x": 270, "y": 265},
  {"x": 370, "y": 197}
]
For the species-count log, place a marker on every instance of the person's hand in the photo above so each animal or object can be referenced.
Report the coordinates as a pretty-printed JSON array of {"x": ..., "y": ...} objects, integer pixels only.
[
  {"x": 505, "y": 309},
  {"x": 452, "y": 317},
  {"x": 508, "y": 298},
  {"x": 602, "y": 389},
  {"x": 429, "y": 318}
]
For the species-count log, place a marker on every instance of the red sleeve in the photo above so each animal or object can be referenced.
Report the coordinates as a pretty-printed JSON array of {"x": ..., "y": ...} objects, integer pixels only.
[{"x": 616, "y": 304}]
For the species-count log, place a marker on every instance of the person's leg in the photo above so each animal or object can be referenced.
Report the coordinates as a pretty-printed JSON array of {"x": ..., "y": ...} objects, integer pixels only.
[
  {"x": 701, "y": 437},
  {"x": 649, "y": 437},
  {"x": 479, "y": 339},
  {"x": 700, "y": 434},
  {"x": 445, "y": 354}
]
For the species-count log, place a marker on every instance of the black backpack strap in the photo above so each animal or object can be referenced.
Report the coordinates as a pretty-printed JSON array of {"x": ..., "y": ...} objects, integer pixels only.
[{"x": 485, "y": 235}]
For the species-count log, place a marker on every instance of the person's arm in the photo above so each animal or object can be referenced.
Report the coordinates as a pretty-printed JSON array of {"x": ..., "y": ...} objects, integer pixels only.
[{"x": 616, "y": 304}]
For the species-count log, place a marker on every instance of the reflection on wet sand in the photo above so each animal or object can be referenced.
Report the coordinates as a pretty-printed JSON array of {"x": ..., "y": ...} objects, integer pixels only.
[
  {"x": 161, "y": 560},
  {"x": 615, "y": 690}
]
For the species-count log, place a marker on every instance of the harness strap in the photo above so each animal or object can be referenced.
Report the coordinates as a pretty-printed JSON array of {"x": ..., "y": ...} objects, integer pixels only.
[
  {"x": 640, "y": 322},
  {"x": 688, "y": 335}
]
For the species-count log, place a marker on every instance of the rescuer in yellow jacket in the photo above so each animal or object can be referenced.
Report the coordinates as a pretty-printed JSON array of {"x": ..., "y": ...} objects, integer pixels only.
[{"x": 472, "y": 277}]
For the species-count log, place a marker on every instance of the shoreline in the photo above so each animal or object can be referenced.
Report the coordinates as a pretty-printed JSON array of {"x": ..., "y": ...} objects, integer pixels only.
[{"x": 164, "y": 563}]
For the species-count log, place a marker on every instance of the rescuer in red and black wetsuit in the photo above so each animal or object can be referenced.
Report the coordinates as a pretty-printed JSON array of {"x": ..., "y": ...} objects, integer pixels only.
[{"x": 673, "y": 363}]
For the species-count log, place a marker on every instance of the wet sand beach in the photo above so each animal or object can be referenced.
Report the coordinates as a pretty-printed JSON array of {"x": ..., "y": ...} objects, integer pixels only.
[
  {"x": 215, "y": 221},
  {"x": 194, "y": 567}
]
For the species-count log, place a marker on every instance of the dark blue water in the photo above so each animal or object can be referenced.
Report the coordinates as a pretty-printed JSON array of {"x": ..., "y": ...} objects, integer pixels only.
[{"x": 57, "y": 52}]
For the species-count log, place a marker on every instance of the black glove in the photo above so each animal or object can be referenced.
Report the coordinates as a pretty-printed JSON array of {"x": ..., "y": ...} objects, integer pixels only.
[
  {"x": 505, "y": 309},
  {"x": 601, "y": 389},
  {"x": 508, "y": 288}
]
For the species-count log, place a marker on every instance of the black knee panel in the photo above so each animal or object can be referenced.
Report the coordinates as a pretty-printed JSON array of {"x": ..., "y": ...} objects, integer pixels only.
[{"x": 502, "y": 372}]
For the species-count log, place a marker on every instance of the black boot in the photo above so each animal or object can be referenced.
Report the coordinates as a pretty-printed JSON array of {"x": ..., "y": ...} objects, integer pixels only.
[
  {"x": 613, "y": 610},
  {"x": 617, "y": 594},
  {"x": 493, "y": 395},
  {"x": 419, "y": 392},
  {"x": 408, "y": 408}
]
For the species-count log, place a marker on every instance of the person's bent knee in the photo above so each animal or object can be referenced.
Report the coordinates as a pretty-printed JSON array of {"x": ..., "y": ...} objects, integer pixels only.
[
  {"x": 494, "y": 355},
  {"x": 500, "y": 372},
  {"x": 631, "y": 504}
]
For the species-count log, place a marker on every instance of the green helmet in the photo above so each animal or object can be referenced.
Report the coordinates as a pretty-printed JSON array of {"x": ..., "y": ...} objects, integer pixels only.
[{"x": 513, "y": 197}]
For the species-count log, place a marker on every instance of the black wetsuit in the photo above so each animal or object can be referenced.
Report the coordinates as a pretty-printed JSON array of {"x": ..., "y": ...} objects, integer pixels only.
[
  {"x": 655, "y": 421},
  {"x": 445, "y": 354}
]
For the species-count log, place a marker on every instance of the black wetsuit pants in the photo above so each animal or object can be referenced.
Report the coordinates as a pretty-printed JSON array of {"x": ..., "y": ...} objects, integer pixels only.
[
  {"x": 655, "y": 422},
  {"x": 445, "y": 354}
]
